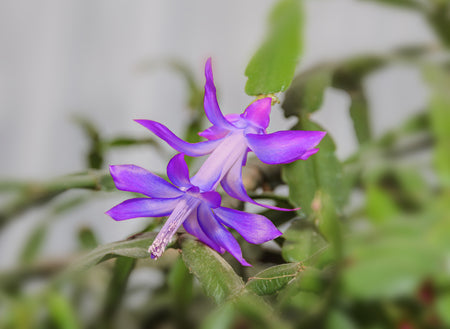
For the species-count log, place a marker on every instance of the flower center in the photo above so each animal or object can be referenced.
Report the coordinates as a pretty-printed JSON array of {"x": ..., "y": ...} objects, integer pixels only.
[{"x": 220, "y": 161}]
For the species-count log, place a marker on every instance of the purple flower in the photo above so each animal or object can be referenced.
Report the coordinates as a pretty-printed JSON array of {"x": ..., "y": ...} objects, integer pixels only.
[
  {"x": 198, "y": 210},
  {"x": 231, "y": 137}
]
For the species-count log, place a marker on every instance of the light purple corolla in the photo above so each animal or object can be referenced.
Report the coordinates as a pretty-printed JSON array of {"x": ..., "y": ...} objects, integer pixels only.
[
  {"x": 197, "y": 209},
  {"x": 231, "y": 137}
]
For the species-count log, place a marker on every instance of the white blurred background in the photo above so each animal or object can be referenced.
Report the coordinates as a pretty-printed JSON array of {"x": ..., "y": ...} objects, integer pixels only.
[{"x": 63, "y": 58}]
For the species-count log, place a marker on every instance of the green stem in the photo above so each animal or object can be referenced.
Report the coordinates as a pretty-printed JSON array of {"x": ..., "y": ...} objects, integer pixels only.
[{"x": 34, "y": 194}]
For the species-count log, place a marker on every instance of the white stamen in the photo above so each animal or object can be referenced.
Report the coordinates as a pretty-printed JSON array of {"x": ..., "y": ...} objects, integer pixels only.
[{"x": 178, "y": 216}]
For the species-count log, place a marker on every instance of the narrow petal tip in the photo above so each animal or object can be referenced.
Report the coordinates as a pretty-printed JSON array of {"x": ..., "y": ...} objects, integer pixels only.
[
  {"x": 108, "y": 213},
  {"x": 208, "y": 68},
  {"x": 212, "y": 109},
  {"x": 244, "y": 262},
  {"x": 111, "y": 213},
  {"x": 307, "y": 154}
]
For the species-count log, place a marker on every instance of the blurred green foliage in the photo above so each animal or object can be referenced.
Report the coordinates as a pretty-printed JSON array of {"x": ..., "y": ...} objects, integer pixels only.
[
  {"x": 382, "y": 262},
  {"x": 272, "y": 68}
]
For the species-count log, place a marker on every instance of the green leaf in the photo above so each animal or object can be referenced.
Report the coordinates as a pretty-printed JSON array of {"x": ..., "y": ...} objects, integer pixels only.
[
  {"x": 180, "y": 283},
  {"x": 338, "y": 320},
  {"x": 301, "y": 242},
  {"x": 439, "y": 80},
  {"x": 125, "y": 141},
  {"x": 20, "y": 312},
  {"x": 95, "y": 155},
  {"x": 272, "y": 68},
  {"x": 328, "y": 222},
  {"x": 116, "y": 289},
  {"x": 245, "y": 310},
  {"x": 439, "y": 20},
  {"x": 359, "y": 112},
  {"x": 215, "y": 275},
  {"x": 221, "y": 318},
  {"x": 274, "y": 278},
  {"x": 34, "y": 243},
  {"x": 401, "y": 3},
  {"x": 413, "y": 188},
  {"x": 442, "y": 307},
  {"x": 379, "y": 205},
  {"x": 61, "y": 311},
  {"x": 349, "y": 76},
  {"x": 304, "y": 291},
  {"x": 389, "y": 262},
  {"x": 87, "y": 239},
  {"x": 304, "y": 301},
  {"x": 134, "y": 247},
  {"x": 321, "y": 172},
  {"x": 391, "y": 190},
  {"x": 306, "y": 92},
  {"x": 439, "y": 218},
  {"x": 255, "y": 313}
]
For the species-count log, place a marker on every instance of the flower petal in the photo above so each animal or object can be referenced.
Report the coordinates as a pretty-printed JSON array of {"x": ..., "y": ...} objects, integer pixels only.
[
  {"x": 212, "y": 109},
  {"x": 213, "y": 198},
  {"x": 216, "y": 132},
  {"x": 193, "y": 228},
  {"x": 258, "y": 112},
  {"x": 142, "y": 207},
  {"x": 178, "y": 171},
  {"x": 217, "y": 233},
  {"x": 253, "y": 228},
  {"x": 233, "y": 186},
  {"x": 285, "y": 146},
  {"x": 132, "y": 178},
  {"x": 190, "y": 149}
]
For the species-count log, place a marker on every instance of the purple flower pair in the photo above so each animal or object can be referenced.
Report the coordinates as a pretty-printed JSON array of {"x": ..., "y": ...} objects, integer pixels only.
[{"x": 194, "y": 202}]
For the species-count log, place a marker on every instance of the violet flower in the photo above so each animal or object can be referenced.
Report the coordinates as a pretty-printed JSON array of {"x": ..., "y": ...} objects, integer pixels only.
[
  {"x": 198, "y": 210},
  {"x": 231, "y": 137}
]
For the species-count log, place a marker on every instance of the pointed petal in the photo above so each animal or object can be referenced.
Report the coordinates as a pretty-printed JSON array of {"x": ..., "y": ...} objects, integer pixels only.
[
  {"x": 193, "y": 228},
  {"x": 142, "y": 207},
  {"x": 132, "y": 178},
  {"x": 217, "y": 233},
  {"x": 233, "y": 186},
  {"x": 212, "y": 109},
  {"x": 285, "y": 146},
  {"x": 253, "y": 228},
  {"x": 258, "y": 112},
  {"x": 190, "y": 149},
  {"x": 178, "y": 171}
]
